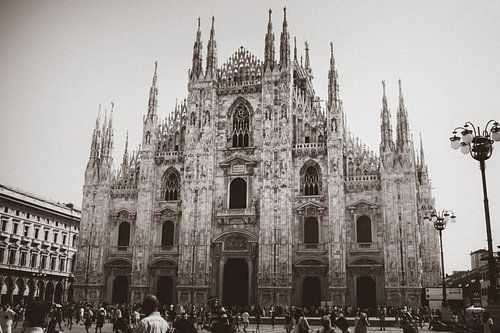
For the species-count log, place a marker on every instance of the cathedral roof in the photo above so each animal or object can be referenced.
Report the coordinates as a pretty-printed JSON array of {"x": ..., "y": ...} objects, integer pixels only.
[{"x": 241, "y": 68}]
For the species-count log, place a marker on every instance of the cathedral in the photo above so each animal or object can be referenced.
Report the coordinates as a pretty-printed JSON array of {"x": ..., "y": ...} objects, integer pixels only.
[{"x": 255, "y": 191}]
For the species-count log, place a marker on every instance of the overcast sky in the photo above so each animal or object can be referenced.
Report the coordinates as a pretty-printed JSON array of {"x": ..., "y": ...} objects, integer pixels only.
[{"x": 60, "y": 59}]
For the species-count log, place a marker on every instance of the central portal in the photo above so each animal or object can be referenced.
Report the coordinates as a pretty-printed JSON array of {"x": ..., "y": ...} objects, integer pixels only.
[
  {"x": 120, "y": 290},
  {"x": 311, "y": 291},
  {"x": 164, "y": 291},
  {"x": 235, "y": 287},
  {"x": 366, "y": 295}
]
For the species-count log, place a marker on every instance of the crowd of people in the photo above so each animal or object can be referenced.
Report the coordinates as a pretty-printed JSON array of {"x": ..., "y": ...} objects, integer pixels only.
[{"x": 151, "y": 317}]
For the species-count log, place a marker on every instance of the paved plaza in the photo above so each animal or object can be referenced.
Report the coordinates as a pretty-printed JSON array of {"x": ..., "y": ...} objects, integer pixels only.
[{"x": 108, "y": 328}]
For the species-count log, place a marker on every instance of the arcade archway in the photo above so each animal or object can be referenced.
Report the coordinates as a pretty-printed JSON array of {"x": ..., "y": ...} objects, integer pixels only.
[
  {"x": 58, "y": 295},
  {"x": 49, "y": 292}
]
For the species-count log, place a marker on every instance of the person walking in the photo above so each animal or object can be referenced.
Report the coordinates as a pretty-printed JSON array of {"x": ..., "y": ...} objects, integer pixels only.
[
  {"x": 35, "y": 316},
  {"x": 342, "y": 323},
  {"x": 153, "y": 322},
  {"x": 183, "y": 325},
  {"x": 99, "y": 320},
  {"x": 245, "y": 316},
  {"x": 288, "y": 322},
  {"x": 273, "y": 316},
  {"x": 300, "y": 322},
  {"x": 258, "y": 320},
  {"x": 487, "y": 323},
  {"x": 327, "y": 325},
  {"x": 381, "y": 317},
  {"x": 362, "y": 324},
  {"x": 87, "y": 319},
  {"x": 6, "y": 319},
  {"x": 171, "y": 315}
]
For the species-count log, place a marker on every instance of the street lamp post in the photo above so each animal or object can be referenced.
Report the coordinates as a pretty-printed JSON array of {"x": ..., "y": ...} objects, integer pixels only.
[
  {"x": 440, "y": 220},
  {"x": 480, "y": 146}
]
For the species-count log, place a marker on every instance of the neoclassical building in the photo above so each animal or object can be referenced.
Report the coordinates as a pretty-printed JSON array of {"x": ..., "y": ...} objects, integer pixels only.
[
  {"x": 38, "y": 240},
  {"x": 253, "y": 190}
]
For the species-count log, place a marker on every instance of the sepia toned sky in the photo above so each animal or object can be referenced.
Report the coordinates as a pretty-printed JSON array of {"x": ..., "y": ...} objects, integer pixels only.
[{"x": 60, "y": 59}]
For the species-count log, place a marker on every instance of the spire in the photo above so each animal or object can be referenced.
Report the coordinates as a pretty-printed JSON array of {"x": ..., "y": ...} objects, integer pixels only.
[
  {"x": 402, "y": 121},
  {"x": 125, "y": 154},
  {"x": 94, "y": 147},
  {"x": 386, "y": 127},
  {"x": 285, "y": 43},
  {"x": 153, "y": 94},
  {"x": 295, "y": 48},
  {"x": 333, "y": 88},
  {"x": 196, "y": 68},
  {"x": 422, "y": 159},
  {"x": 307, "y": 63},
  {"x": 110, "y": 133},
  {"x": 269, "y": 47},
  {"x": 212, "y": 52}
]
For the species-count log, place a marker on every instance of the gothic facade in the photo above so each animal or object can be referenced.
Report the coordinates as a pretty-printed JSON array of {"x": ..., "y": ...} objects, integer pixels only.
[{"x": 254, "y": 191}]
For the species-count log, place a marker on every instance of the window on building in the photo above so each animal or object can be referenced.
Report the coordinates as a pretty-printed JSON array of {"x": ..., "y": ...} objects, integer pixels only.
[
  {"x": 2, "y": 254},
  {"x": 62, "y": 265},
  {"x": 23, "y": 259},
  {"x": 311, "y": 231},
  {"x": 4, "y": 225},
  {"x": 46, "y": 235},
  {"x": 26, "y": 231},
  {"x": 124, "y": 234},
  {"x": 33, "y": 260},
  {"x": 171, "y": 181},
  {"x": 241, "y": 126},
  {"x": 12, "y": 257},
  {"x": 28, "y": 215},
  {"x": 56, "y": 236},
  {"x": 64, "y": 239},
  {"x": 310, "y": 179},
  {"x": 6, "y": 209},
  {"x": 37, "y": 232},
  {"x": 364, "y": 229},
  {"x": 52, "y": 263},
  {"x": 44, "y": 262},
  {"x": 238, "y": 194},
  {"x": 14, "y": 228},
  {"x": 167, "y": 234},
  {"x": 17, "y": 213}
]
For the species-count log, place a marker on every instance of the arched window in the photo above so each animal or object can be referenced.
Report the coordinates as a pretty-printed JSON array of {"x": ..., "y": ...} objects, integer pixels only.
[
  {"x": 238, "y": 194},
  {"x": 124, "y": 234},
  {"x": 311, "y": 232},
  {"x": 241, "y": 126},
  {"x": 167, "y": 233},
  {"x": 311, "y": 180},
  {"x": 148, "y": 137},
  {"x": 364, "y": 229},
  {"x": 172, "y": 186}
]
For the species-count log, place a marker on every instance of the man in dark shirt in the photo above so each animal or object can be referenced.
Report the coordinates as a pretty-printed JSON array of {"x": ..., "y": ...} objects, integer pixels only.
[
  {"x": 183, "y": 325},
  {"x": 35, "y": 314}
]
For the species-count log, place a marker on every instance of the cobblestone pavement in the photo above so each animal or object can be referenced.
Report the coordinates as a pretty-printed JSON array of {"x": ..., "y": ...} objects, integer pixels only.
[{"x": 108, "y": 328}]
